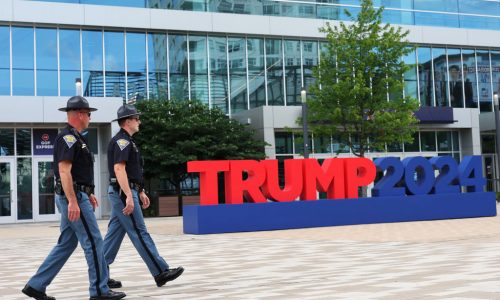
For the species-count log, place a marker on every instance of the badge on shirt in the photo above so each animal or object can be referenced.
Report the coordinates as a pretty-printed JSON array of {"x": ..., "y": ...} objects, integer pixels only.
[
  {"x": 70, "y": 140},
  {"x": 122, "y": 143}
]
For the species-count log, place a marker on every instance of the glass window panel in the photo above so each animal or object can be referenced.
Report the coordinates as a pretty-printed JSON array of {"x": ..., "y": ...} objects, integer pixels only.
[
  {"x": 4, "y": 47},
  {"x": 339, "y": 146},
  {"x": 479, "y": 7},
  {"x": 444, "y": 140},
  {"x": 469, "y": 78},
  {"x": 69, "y": 60},
  {"x": 283, "y": 142},
  {"x": 218, "y": 72},
  {"x": 6, "y": 142},
  {"x": 46, "y": 204},
  {"x": 455, "y": 77},
  {"x": 274, "y": 66},
  {"x": 4, "y": 60},
  {"x": 23, "y": 77},
  {"x": 23, "y": 82},
  {"x": 410, "y": 76},
  {"x": 413, "y": 146},
  {"x": 425, "y": 76},
  {"x": 24, "y": 189},
  {"x": 158, "y": 62},
  {"x": 395, "y": 147},
  {"x": 495, "y": 70},
  {"x": 479, "y": 22},
  {"x": 322, "y": 144},
  {"x": 436, "y": 19},
  {"x": 436, "y": 5},
  {"x": 237, "y": 73},
  {"x": 178, "y": 64},
  {"x": 298, "y": 143},
  {"x": 398, "y": 17},
  {"x": 439, "y": 61},
  {"x": 93, "y": 80},
  {"x": 46, "y": 62},
  {"x": 114, "y": 46},
  {"x": 136, "y": 66},
  {"x": 198, "y": 67},
  {"x": 256, "y": 72},
  {"x": 456, "y": 141},
  {"x": 4, "y": 81},
  {"x": 488, "y": 143},
  {"x": 484, "y": 79},
  {"x": 5, "y": 189},
  {"x": 293, "y": 72},
  {"x": 47, "y": 83},
  {"x": 127, "y": 3},
  {"x": 23, "y": 141},
  {"x": 310, "y": 58},
  {"x": 428, "y": 141}
]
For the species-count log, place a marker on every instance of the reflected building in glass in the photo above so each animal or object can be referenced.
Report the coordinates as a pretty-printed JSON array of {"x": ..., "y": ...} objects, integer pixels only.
[{"x": 248, "y": 58}]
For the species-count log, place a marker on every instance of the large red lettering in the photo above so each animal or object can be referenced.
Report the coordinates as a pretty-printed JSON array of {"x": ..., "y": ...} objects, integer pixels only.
[
  {"x": 236, "y": 187},
  {"x": 329, "y": 177},
  {"x": 358, "y": 172},
  {"x": 293, "y": 180},
  {"x": 208, "y": 178}
]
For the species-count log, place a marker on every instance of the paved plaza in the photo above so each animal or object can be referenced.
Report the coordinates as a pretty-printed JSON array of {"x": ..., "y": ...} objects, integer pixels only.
[{"x": 449, "y": 259}]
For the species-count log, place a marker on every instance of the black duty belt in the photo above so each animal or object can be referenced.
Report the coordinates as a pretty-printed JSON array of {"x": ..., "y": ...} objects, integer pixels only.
[
  {"x": 87, "y": 189},
  {"x": 133, "y": 185}
]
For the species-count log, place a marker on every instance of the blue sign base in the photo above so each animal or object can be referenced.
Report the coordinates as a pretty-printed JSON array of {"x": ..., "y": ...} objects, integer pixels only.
[{"x": 318, "y": 213}]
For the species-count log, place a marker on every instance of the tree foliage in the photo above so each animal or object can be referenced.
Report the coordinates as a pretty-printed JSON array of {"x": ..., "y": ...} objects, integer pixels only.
[
  {"x": 175, "y": 132},
  {"x": 360, "y": 69}
]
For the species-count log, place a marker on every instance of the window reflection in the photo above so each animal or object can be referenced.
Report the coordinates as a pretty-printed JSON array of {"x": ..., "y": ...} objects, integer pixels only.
[
  {"x": 93, "y": 77},
  {"x": 484, "y": 80},
  {"x": 114, "y": 45},
  {"x": 439, "y": 68},
  {"x": 69, "y": 60},
  {"x": 293, "y": 72},
  {"x": 46, "y": 62},
  {"x": 136, "y": 66},
  {"x": 410, "y": 77},
  {"x": 256, "y": 72},
  {"x": 198, "y": 68},
  {"x": 158, "y": 61},
  {"x": 179, "y": 85},
  {"x": 237, "y": 73},
  {"x": 218, "y": 73},
  {"x": 455, "y": 77},
  {"x": 6, "y": 142},
  {"x": 4, "y": 60},
  {"x": 24, "y": 189},
  {"x": 469, "y": 78},
  {"x": 23, "y": 81},
  {"x": 274, "y": 66},
  {"x": 425, "y": 76}
]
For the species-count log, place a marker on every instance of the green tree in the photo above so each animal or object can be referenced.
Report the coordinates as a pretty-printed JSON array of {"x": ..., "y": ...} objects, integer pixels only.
[
  {"x": 175, "y": 132},
  {"x": 360, "y": 70}
]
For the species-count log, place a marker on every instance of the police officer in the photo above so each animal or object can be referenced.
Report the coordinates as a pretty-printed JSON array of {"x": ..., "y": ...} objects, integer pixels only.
[
  {"x": 75, "y": 200},
  {"x": 126, "y": 193}
]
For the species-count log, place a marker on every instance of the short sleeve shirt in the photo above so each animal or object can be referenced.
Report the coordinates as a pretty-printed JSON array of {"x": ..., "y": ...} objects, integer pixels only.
[
  {"x": 72, "y": 146},
  {"x": 122, "y": 148}
]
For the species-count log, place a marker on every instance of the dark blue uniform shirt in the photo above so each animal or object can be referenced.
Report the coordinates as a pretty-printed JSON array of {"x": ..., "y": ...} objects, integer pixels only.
[
  {"x": 122, "y": 148},
  {"x": 72, "y": 146}
]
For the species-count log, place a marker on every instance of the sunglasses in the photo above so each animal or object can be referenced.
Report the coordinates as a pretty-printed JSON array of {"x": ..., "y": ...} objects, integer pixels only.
[{"x": 85, "y": 112}]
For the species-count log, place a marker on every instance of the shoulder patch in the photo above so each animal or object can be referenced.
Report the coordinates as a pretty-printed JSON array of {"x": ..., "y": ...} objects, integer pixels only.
[
  {"x": 70, "y": 140},
  {"x": 122, "y": 143}
]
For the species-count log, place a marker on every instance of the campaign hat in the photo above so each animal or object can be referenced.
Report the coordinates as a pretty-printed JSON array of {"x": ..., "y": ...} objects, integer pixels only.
[{"x": 77, "y": 103}]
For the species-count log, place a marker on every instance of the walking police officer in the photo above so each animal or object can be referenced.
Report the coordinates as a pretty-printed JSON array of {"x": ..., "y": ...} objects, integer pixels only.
[
  {"x": 126, "y": 193},
  {"x": 75, "y": 200}
]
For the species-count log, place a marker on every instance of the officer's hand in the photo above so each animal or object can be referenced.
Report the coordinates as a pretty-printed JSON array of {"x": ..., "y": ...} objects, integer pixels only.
[
  {"x": 73, "y": 211},
  {"x": 129, "y": 206},
  {"x": 145, "y": 200},
  {"x": 93, "y": 201}
]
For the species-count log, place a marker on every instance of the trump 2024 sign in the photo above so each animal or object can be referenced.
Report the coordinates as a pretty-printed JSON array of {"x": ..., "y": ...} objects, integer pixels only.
[{"x": 412, "y": 189}]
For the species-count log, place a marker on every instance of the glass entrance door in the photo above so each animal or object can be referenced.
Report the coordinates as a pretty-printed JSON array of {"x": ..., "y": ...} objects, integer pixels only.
[
  {"x": 7, "y": 190},
  {"x": 44, "y": 208}
]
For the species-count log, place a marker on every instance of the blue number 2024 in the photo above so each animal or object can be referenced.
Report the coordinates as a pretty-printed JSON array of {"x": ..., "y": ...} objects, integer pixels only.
[{"x": 416, "y": 176}]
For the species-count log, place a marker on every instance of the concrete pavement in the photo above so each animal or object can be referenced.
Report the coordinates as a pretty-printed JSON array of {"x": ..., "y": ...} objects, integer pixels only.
[{"x": 449, "y": 259}]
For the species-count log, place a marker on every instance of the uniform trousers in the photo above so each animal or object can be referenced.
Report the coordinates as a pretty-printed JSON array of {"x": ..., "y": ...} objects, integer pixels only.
[
  {"x": 85, "y": 231},
  {"x": 134, "y": 226}
]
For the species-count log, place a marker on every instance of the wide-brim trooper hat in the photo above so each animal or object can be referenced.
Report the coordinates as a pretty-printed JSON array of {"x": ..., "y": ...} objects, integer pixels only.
[
  {"x": 76, "y": 103},
  {"x": 126, "y": 111}
]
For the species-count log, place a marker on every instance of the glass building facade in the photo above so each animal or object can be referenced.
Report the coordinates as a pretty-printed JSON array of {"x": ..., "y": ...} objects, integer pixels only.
[
  {"x": 448, "y": 13},
  {"x": 231, "y": 72}
]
